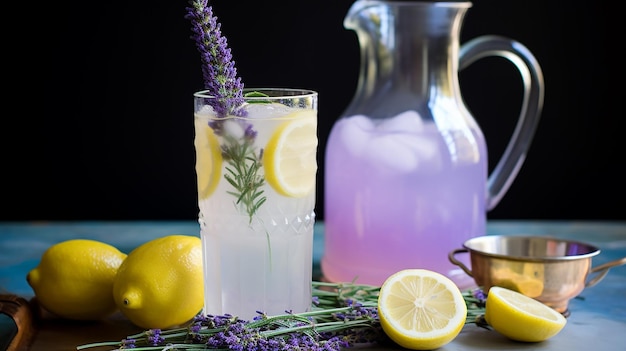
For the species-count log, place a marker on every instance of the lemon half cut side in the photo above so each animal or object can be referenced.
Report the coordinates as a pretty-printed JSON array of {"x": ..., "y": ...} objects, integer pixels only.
[
  {"x": 421, "y": 309},
  {"x": 289, "y": 158},
  {"x": 521, "y": 318}
]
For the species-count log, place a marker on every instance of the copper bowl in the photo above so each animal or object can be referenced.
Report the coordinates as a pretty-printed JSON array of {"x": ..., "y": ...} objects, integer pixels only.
[{"x": 547, "y": 269}]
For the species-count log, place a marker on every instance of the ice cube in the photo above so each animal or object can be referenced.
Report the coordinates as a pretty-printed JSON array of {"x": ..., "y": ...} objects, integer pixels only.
[
  {"x": 408, "y": 121},
  {"x": 205, "y": 110},
  {"x": 355, "y": 133},
  {"x": 388, "y": 153},
  {"x": 273, "y": 110},
  {"x": 233, "y": 128},
  {"x": 394, "y": 145},
  {"x": 423, "y": 147},
  {"x": 361, "y": 121}
]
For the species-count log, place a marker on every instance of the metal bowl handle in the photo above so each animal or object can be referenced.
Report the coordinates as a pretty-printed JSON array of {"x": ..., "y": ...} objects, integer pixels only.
[
  {"x": 601, "y": 271},
  {"x": 459, "y": 263}
]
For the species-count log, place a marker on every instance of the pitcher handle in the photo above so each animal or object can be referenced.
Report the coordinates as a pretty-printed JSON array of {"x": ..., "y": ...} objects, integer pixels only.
[{"x": 514, "y": 155}]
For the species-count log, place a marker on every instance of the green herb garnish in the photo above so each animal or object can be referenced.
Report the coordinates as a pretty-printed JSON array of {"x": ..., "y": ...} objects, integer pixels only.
[
  {"x": 343, "y": 315},
  {"x": 243, "y": 172}
]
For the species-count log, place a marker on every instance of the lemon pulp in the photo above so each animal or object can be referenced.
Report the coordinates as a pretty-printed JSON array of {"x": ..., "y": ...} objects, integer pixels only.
[
  {"x": 289, "y": 158},
  {"x": 520, "y": 317},
  {"x": 421, "y": 309}
]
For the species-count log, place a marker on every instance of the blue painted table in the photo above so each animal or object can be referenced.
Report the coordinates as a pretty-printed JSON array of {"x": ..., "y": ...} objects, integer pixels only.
[{"x": 597, "y": 321}]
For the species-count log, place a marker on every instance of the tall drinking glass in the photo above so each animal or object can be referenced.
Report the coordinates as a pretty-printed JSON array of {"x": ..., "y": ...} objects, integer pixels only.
[{"x": 256, "y": 195}]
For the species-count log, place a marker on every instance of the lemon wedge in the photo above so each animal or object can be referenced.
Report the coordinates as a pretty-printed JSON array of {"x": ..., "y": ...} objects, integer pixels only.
[
  {"x": 289, "y": 158},
  {"x": 421, "y": 309},
  {"x": 521, "y": 318},
  {"x": 208, "y": 158}
]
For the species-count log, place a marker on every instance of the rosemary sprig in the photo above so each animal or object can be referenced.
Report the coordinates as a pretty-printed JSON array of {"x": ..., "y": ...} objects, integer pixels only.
[
  {"x": 243, "y": 173},
  {"x": 343, "y": 315}
]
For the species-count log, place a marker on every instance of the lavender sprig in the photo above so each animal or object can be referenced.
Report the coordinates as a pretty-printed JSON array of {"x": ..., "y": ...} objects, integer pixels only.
[
  {"x": 475, "y": 300},
  {"x": 343, "y": 315},
  {"x": 221, "y": 81},
  {"x": 218, "y": 67}
]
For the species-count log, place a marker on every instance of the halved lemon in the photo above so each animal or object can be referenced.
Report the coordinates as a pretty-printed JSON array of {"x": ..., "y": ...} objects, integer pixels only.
[
  {"x": 208, "y": 158},
  {"x": 289, "y": 158},
  {"x": 421, "y": 309},
  {"x": 521, "y": 318}
]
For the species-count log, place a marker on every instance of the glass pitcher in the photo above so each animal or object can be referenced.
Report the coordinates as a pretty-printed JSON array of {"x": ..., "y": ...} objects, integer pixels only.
[{"x": 406, "y": 173}]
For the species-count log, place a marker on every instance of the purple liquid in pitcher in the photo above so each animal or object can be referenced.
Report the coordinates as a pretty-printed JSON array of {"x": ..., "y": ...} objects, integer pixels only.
[{"x": 400, "y": 195}]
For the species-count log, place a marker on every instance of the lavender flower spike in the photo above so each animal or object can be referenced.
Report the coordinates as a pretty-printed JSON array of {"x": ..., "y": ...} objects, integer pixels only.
[{"x": 218, "y": 68}]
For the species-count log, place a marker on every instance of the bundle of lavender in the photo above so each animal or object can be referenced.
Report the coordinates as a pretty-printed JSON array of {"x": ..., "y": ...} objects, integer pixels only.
[{"x": 343, "y": 315}]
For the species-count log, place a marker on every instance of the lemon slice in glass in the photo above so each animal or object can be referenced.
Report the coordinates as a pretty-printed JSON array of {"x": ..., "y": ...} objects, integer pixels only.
[
  {"x": 421, "y": 309},
  {"x": 289, "y": 158},
  {"x": 520, "y": 317},
  {"x": 208, "y": 158}
]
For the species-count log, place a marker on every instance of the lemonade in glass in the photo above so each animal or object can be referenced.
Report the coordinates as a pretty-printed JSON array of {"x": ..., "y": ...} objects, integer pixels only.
[{"x": 256, "y": 174}]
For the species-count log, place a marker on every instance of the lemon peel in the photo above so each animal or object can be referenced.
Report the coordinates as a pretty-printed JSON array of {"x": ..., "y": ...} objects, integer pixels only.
[
  {"x": 521, "y": 318},
  {"x": 74, "y": 278},
  {"x": 160, "y": 284}
]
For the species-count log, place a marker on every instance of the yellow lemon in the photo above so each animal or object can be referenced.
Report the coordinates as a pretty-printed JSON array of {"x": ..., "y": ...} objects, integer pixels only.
[
  {"x": 208, "y": 158},
  {"x": 160, "y": 284},
  {"x": 521, "y": 318},
  {"x": 74, "y": 279},
  {"x": 289, "y": 158},
  {"x": 420, "y": 309}
]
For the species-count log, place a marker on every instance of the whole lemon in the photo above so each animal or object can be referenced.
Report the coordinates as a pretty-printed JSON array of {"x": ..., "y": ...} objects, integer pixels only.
[
  {"x": 160, "y": 284},
  {"x": 74, "y": 279}
]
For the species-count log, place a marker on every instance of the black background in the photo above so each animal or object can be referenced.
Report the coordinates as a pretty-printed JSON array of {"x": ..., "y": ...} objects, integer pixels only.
[{"x": 98, "y": 101}]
